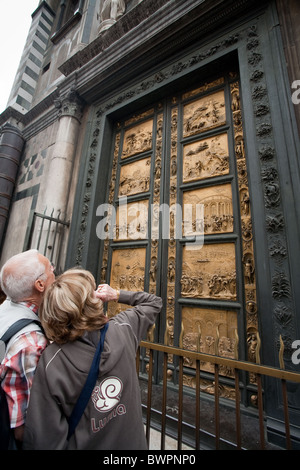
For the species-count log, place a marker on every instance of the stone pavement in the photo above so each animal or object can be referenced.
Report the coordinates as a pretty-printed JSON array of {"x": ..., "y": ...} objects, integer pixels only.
[{"x": 170, "y": 444}]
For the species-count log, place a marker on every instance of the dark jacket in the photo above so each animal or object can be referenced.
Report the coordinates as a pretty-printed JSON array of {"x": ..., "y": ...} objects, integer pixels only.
[{"x": 113, "y": 417}]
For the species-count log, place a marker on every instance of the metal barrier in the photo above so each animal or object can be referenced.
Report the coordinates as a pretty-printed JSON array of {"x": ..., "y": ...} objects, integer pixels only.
[
  {"x": 282, "y": 375},
  {"x": 46, "y": 234}
]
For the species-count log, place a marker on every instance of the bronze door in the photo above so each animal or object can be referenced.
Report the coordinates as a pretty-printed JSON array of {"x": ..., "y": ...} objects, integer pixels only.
[{"x": 180, "y": 221}]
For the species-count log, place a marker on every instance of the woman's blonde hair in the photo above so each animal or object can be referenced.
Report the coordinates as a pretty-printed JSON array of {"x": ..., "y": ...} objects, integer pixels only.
[{"x": 70, "y": 308}]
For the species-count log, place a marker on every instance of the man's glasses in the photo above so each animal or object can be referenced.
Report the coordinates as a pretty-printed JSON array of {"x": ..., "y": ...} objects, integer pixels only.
[{"x": 52, "y": 267}]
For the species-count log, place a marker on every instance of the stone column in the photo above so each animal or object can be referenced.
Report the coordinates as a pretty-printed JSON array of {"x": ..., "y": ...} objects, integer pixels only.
[
  {"x": 56, "y": 191},
  {"x": 11, "y": 145}
]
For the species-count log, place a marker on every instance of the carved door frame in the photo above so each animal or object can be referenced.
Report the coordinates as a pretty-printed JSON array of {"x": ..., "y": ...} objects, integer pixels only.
[
  {"x": 255, "y": 49},
  {"x": 187, "y": 147}
]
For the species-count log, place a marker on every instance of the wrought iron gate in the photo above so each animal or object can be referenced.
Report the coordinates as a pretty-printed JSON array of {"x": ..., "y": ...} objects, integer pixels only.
[
  {"x": 46, "y": 233},
  {"x": 206, "y": 424}
]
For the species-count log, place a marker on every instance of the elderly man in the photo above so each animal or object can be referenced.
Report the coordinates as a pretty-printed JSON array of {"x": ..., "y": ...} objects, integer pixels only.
[{"x": 24, "y": 279}]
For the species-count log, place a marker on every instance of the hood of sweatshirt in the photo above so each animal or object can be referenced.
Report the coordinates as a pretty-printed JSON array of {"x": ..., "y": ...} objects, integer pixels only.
[{"x": 80, "y": 353}]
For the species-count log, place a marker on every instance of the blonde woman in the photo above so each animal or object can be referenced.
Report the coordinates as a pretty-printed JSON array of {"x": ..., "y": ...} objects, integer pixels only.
[{"x": 72, "y": 317}]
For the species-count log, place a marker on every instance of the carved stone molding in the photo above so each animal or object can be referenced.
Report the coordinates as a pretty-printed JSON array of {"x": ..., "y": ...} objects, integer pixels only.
[{"x": 275, "y": 224}]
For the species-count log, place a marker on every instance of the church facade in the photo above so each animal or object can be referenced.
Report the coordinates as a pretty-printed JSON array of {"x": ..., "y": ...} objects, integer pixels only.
[{"x": 156, "y": 143}]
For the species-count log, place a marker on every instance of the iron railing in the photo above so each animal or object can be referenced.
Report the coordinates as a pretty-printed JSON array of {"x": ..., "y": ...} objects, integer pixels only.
[
  {"x": 237, "y": 366},
  {"x": 46, "y": 233}
]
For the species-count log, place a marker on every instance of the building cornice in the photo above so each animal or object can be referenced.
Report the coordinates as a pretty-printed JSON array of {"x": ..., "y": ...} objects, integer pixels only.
[
  {"x": 43, "y": 4},
  {"x": 11, "y": 114},
  {"x": 150, "y": 33},
  {"x": 31, "y": 122}
]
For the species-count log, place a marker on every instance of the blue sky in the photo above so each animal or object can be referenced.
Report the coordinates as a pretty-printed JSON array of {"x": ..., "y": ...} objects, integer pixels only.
[{"x": 15, "y": 21}]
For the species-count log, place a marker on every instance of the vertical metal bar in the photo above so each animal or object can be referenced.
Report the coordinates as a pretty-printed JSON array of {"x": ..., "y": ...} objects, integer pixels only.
[
  {"x": 180, "y": 391},
  {"x": 31, "y": 224},
  {"x": 40, "y": 235},
  {"x": 260, "y": 412},
  {"x": 237, "y": 394},
  {"x": 260, "y": 395},
  {"x": 197, "y": 430},
  {"x": 237, "y": 409},
  {"x": 286, "y": 415},
  {"x": 55, "y": 235},
  {"x": 149, "y": 397},
  {"x": 48, "y": 233},
  {"x": 47, "y": 238},
  {"x": 217, "y": 410},
  {"x": 180, "y": 403},
  {"x": 164, "y": 402},
  {"x": 197, "y": 423},
  {"x": 284, "y": 397},
  {"x": 63, "y": 227}
]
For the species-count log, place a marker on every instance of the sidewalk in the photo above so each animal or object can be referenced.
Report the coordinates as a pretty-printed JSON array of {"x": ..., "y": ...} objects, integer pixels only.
[{"x": 170, "y": 444}]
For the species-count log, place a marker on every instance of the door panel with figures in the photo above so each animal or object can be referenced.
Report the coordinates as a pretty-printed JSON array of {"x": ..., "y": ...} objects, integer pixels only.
[{"x": 180, "y": 221}]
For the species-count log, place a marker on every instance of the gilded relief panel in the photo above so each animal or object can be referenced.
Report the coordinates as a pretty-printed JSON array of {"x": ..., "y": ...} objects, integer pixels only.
[
  {"x": 216, "y": 202},
  {"x": 203, "y": 114},
  {"x": 156, "y": 200},
  {"x": 132, "y": 221},
  {"x": 127, "y": 272},
  {"x": 210, "y": 331},
  {"x": 135, "y": 177},
  {"x": 138, "y": 139},
  {"x": 209, "y": 272},
  {"x": 206, "y": 158},
  {"x": 203, "y": 88},
  {"x": 246, "y": 224},
  {"x": 172, "y": 259}
]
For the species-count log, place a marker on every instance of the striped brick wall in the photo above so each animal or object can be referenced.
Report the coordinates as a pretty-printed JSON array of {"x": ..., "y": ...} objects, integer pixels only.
[{"x": 31, "y": 62}]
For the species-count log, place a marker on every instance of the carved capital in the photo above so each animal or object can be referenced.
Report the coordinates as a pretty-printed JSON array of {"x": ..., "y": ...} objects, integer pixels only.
[{"x": 70, "y": 104}]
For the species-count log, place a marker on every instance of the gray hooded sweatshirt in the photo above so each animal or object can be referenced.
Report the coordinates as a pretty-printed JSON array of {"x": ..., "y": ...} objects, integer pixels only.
[{"x": 112, "y": 419}]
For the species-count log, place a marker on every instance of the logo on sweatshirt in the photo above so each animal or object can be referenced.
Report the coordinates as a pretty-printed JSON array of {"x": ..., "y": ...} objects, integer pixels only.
[{"x": 108, "y": 394}]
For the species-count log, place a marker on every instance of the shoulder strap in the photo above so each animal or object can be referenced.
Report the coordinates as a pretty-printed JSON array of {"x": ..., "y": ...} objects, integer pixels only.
[
  {"x": 12, "y": 330},
  {"x": 88, "y": 386},
  {"x": 15, "y": 327}
]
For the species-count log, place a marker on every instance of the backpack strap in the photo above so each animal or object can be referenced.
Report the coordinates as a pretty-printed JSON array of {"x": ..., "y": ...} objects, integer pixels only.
[
  {"x": 12, "y": 330},
  {"x": 15, "y": 327},
  {"x": 88, "y": 386}
]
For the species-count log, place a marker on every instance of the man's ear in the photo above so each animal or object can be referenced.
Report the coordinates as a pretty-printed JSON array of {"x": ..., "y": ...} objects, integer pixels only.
[{"x": 39, "y": 285}]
